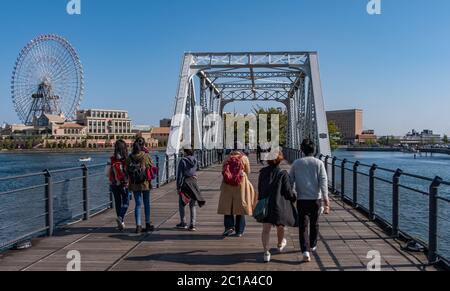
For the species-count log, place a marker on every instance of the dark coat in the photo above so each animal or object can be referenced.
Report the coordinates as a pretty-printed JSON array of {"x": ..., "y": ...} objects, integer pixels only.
[
  {"x": 191, "y": 189},
  {"x": 275, "y": 184}
]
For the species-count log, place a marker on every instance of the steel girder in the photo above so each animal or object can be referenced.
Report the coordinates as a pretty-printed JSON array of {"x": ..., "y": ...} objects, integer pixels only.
[
  {"x": 291, "y": 78},
  {"x": 248, "y": 75},
  {"x": 285, "y": 86}
]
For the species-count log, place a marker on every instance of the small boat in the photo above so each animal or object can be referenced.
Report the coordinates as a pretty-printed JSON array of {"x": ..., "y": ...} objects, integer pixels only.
[{"x": 86, "y": 160}]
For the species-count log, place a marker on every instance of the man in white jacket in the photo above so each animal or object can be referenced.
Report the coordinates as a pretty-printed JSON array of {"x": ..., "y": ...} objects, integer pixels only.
[{"x": 311, "y": 183}]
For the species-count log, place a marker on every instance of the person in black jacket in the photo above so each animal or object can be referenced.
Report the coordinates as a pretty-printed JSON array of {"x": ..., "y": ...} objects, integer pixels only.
[{"x": 274, "y": 184}]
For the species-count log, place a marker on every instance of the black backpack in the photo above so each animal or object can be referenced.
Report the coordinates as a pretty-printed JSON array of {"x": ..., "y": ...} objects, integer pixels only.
[{"x": 137, "y": 172}]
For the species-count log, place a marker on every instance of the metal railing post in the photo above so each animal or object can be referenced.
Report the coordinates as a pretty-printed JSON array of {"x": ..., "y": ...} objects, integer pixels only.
[
  {"x": 333, "y": 174},
  {"x": 111, "y": 199},
  {"x": 433, "y": 220},
  {"x": 158, "y": 181},
  {"x": 372, "y": 191},
  {"x": 49, "y": 202},
  {"x": 86, "y": 208},
  {"x": 197, "y": 157},
  {"x": 355, "y": 183},
  {"x": 327, "y": 158},
  {"x": 175, "y": 166},
  {"x": 396, "y": 202},
  {"x": 167, "y": 169},
  {"x": 344, "y": 162}
]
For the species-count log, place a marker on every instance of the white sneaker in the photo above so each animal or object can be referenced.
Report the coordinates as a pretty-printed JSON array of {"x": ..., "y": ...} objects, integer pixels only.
[
  {"x": 306, "y": 257},
  {"x": 267, "y": 257},
  {"x": 282, "y": 246},
  {"x": 314, "y": 249}
]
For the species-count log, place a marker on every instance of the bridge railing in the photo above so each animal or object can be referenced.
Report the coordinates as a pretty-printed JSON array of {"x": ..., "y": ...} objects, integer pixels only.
[
  {"x": 411, "y": 207},
  {"x": 36, "y": 204}
]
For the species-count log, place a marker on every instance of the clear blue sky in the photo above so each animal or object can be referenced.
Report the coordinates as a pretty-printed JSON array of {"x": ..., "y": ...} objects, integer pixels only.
[{"x": 395, "y": 66}]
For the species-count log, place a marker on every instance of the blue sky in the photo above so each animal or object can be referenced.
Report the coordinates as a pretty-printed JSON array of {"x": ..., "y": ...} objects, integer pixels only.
[{"x": 395, "y": 66}]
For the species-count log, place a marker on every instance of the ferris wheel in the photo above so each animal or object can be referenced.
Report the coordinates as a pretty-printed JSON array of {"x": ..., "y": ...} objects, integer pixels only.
[{"x": 47, "y": 79}]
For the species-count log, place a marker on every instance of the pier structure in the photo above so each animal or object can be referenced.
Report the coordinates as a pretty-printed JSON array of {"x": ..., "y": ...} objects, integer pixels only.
[{"x": 349, "y": 240}]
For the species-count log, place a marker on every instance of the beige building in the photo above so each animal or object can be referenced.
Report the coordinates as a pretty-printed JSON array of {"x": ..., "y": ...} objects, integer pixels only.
[
  {"x": 367, "y": 137},
  {"x": 147, "y": 136},
  {"x": 161, "y": 134},
  {"x": 17, "y": 129},
  {"x": 93, "y": 129},
  {"x": 349, "y": 122},
  {"x": 105, "y": 123}
]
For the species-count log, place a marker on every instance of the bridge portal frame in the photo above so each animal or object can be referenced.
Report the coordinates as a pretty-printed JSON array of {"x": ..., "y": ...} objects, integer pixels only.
[{"x": 213, "y": 80}]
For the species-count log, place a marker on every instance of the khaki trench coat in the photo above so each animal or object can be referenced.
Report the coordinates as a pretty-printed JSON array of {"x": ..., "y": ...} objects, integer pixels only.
[{"x": 238, "y": 200}]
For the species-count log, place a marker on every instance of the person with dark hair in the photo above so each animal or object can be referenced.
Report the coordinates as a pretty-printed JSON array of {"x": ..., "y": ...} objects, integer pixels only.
[
  {"x": 139, "y": 168},
  {"x": 118, "y": 178},
  {"x": 311, "y": 183},
  {"x": 141, "y": 142},
  {"x": 188, "y": 189},
  {"x": 275, "y": 188}
]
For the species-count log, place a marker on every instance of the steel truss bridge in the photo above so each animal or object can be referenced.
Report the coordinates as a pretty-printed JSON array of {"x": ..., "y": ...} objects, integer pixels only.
[{"x": 213, "y": 80}]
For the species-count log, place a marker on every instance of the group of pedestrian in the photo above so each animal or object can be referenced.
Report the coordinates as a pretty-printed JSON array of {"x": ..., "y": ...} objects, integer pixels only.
[
  {"x": 294, "y": 199},
  {"x": 131, "y": 173},
  {"x": 282, "y": 199}
]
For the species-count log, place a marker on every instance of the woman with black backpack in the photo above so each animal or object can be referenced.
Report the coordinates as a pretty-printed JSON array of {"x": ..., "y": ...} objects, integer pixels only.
[
  {"x": 139, "y": 169},
  {"x": 276, "y": 204}
]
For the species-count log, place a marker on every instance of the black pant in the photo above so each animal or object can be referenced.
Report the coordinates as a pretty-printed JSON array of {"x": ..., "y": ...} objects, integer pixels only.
[
  {"x": 308, "y": 211},
  {"x": 121, "y": 200},
  {"x": 237, "y": 224}
]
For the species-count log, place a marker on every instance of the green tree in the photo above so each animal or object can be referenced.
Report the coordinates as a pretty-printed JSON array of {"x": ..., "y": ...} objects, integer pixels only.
[
  {"x": 335, "y": 135},
  {"x": 283, "y": 117},
  {"x": 8, "y": 144},
  {"x": 29, "y": 144},
  {"x": 388, "y": 141},
  {"x": 445, "y": 139}
]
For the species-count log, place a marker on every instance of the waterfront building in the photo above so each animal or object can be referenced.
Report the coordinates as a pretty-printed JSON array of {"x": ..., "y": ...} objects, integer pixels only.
[
  {"x": 367, "y": 137},
  {"x": 423, "y": 138},
  {"x": 161, "y": 134},
  {"x": 147, "y": 136},
  {"x": 101, "y": 122},
  {"x": 349, "y": 123},
  {"x": 137, "y": 128},
  {"x": 104, "y": 127},
  {"x": 17, "y": 130},
  {"x": 92, "y": 129}
]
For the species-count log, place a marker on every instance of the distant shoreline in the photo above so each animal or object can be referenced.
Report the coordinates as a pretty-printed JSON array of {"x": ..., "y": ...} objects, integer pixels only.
[
  {"x": 373, "y": 149},
  {"x": 66, "y": 151}
]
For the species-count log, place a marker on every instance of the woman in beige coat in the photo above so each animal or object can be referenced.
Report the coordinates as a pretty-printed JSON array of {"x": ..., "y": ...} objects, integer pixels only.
[{"x": 237, "y": 201}]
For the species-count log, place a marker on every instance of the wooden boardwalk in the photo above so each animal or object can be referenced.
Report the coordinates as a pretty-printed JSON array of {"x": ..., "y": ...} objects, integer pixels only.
[{"x": 346, "y": 237}]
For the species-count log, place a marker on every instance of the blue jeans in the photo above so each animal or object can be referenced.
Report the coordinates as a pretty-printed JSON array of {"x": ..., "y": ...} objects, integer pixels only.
[
  {"x": 237, "y": 224},
  {"x": 121, "y": 200},
  {"x": 140, "y": 197},
  {"x": 193, "y": 208}
]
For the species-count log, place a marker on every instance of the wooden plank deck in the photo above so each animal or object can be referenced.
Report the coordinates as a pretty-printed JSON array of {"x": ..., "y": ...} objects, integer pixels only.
[{"x": 345, "y": 239}]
